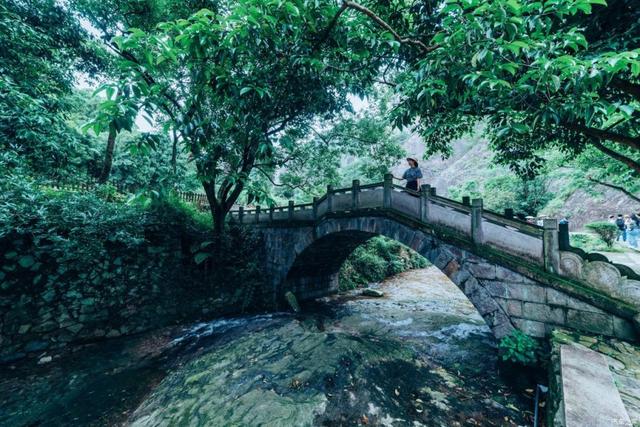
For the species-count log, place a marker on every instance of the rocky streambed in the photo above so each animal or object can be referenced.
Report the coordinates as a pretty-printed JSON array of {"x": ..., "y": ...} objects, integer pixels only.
[{"x": 420, "y": 355}]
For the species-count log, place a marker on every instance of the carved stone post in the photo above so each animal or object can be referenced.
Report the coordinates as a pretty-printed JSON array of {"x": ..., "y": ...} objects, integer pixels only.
[
  {"x": 257, "y": 214},
  {"x": 386, "y": 190},
  {"x": 240, "y": 214},
  {"x": 477, "y": 235},
  {"x": 466, "y": 200},
  {"x": 550, "y": 245},
  {"x": 425, "y": 192},
  {"x": 355, "y": 194},
  {"x": 508, "y": 212},
  {"x": 290, "y": 210},
  {"x": 271, "y": 209},
  {"x": 329, "y": 198},
  {"x": 563, "y": 236},
  {"x": 315, "y": 208}
]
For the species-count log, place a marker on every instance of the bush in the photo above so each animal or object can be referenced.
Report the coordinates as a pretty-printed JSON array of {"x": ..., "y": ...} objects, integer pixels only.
[
  {"x": 376, "y": 260},
  {"x": 519, "y": 348},
  {"x": 605, "y": 230},
  {"x": 50, "y": 237}
]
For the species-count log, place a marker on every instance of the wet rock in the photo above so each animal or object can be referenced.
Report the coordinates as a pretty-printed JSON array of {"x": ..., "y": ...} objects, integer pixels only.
[
  {"x": 293, "y": 301},
  {"x": 45, "y": 359},
  {"x": 35, "y": 346},
  {"x": 368, "y": 292}
]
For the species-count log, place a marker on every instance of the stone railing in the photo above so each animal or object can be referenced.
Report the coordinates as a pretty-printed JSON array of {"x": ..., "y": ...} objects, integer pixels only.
[
  {"x": 537, "y": 245},
  {"x": 466, "y": 218}
]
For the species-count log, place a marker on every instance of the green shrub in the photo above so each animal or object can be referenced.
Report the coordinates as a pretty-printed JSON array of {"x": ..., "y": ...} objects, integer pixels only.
[
  {"x": 605, "y": 230},
  {"x": 93, "y": 238},
  {"x": 376, "y": 260},
  {"x": 519, "y": 348},
  {"x": 589, "y": 242}
]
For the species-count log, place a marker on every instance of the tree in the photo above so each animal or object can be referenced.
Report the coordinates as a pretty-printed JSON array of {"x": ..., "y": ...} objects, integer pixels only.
[
  {"x": 112, "y": 18},
  {"x": 235, "y": 82},
  {"x": 42, "y": 47},
  {"x": 605, "y": 230},
  {"x": 353, "y": 146},
  {"x": 534, "y": 71}
]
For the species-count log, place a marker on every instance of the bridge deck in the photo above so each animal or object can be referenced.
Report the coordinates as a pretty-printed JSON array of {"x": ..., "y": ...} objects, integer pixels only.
[
  {"x": 489, "y": 228},
  {"x": 536, "y": 248}
]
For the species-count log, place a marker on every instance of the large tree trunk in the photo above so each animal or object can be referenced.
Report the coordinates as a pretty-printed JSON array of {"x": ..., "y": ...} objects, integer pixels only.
[
  {"x": 174, "y": 154},
  {"x": 216, "y": 207},
  {"x": 108, "y": 155}
]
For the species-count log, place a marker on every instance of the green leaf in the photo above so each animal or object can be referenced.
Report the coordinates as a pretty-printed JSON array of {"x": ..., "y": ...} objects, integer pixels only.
[
  {"x": 201, "y": 257},
  {"x": 26, "y": 261},
  {"x": 246, "y": 89}
]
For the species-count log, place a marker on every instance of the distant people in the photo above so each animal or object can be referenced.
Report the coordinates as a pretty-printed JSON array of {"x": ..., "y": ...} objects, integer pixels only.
[
  {"x": 622, "y": 229},
  {"x": 633, "y": 231},
  {"x": 412, "y": 175},
  {"x": 564, "y": 220},
  {"x": 635, "y": 218},
  {"x": 530, "y": 219}
]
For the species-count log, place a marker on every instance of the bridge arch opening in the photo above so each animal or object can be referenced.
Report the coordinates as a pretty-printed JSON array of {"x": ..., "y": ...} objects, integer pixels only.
[{"x": 314, "y": 271}]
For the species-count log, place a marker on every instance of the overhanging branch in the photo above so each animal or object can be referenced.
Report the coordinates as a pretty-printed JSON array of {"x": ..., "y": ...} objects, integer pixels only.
[
  {"x": 615, "y": 187},
  {"x": 383, "y": 24}
]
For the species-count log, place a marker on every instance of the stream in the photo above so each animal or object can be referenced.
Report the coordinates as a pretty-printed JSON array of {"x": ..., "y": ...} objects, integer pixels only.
[{"x": 420, "y": 355}]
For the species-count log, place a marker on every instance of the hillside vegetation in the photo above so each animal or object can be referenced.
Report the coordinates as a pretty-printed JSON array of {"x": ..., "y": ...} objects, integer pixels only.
[{"x": 562, "y": 187}]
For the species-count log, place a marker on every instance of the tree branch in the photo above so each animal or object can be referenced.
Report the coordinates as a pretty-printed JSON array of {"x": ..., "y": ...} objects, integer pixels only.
[
  {"x": 375, "y": 18},
  {"x": 275, "y": 184},
  {"x": 605, "y": 135},
  {"x": 615, "y": 187},
  {"x": 327, "y": 31},
  {"x": 615, "y": 155}
]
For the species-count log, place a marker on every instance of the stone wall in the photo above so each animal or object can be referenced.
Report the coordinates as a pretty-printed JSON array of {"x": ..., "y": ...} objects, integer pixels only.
[
  {"x": 147, "y": 287},
  {"x": 306, "y": 259},
  {"x": 623, "y": 359}
]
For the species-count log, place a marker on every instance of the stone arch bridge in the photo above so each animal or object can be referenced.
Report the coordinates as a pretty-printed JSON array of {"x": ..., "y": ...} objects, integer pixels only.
[{"x": 516, "y": 274}]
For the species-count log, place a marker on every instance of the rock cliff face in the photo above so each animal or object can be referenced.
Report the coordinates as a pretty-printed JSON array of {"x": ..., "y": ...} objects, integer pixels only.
[{"x": 471, "y": 160}]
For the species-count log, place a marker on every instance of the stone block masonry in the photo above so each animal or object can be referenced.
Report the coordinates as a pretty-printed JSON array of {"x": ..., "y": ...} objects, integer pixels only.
[
  {"x": 509, "y": 269},
  {"x": 157, "y": 286},
  {"x": 594, "y": 381},
  {"x": 307, "y": 258}
]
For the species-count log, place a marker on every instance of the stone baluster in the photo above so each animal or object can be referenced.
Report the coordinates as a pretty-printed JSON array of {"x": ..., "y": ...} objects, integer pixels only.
[
  {"x": 508, "y": 212},
  {"x": 477, "y": 236},
  {"x": 564, "y": 243},
  {"x": 355, "y": 194},
  {"x": 425, "y": 192},
  {"x": 466, "y": 201},
  {"x": 315, "y": 208},
  {"x": 329, "y": 198},
  {"x": 290, "y": 210},
  {"x": 240, "y": 214},
  {"x": 257, "y": 214},
  {"x": 550, "y": 245},
  {"x": 386, "y": 191},
  {"x": 271, "y": 210}
]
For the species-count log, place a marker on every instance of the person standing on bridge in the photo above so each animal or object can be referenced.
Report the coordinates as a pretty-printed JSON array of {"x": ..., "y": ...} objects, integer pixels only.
[{"x": 412, "y": 175}]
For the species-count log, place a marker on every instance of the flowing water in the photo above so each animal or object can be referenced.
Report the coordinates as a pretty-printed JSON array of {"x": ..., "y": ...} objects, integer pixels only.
[{"x": 421, "y": 355}]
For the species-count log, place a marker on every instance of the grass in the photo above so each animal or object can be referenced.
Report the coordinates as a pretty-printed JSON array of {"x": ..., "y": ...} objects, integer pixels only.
[{"x": 589, "y": 242}]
